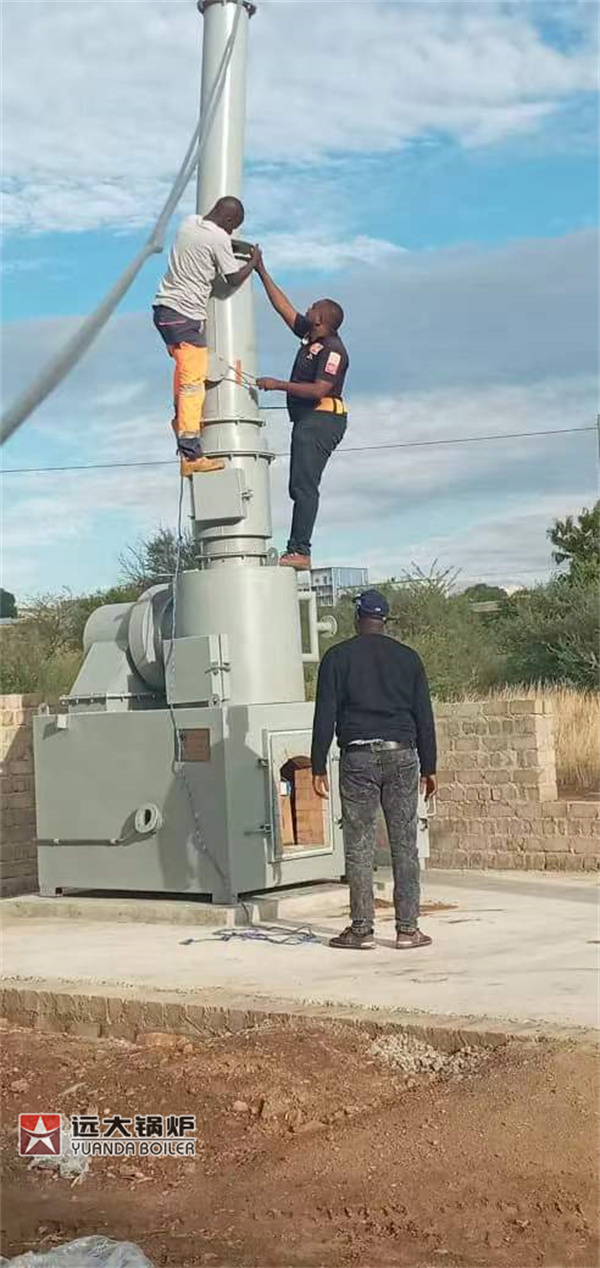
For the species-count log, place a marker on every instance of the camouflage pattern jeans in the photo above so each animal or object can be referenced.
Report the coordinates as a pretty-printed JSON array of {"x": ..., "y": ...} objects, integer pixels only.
[{"x": 368, "y": 780}]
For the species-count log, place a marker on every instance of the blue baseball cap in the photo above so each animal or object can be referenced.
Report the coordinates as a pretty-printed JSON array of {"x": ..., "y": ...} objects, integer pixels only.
[{"x": 374, "y": 604}]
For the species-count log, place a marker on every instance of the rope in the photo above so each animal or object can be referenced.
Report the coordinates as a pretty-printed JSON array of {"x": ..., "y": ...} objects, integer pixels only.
[
  {"x": 179, "y": 765},
  {"x": 276, "y": 934},
  {"x": 269, "y": 933},
  {"x": 59, "y": 366}
]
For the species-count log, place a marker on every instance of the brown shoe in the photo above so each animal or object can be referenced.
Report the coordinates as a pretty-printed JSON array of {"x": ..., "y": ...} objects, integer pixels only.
[
  {"x": 193, "y": 466},
  {"x": 351, "y": 939},
  {"x": 410, "y": 941},
  {"x": 302, "y": 563}
]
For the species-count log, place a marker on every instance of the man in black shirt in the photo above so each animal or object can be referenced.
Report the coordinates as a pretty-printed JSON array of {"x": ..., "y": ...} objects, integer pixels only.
[
  {"x": 373, "y": 690},
  {"x": 315, "y": 407}
]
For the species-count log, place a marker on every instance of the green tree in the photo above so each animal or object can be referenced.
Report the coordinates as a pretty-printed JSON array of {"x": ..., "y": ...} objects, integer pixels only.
[
  {"x": 462, "y": 654},
  {"x": 554, "y": 633},
  {"x": 152, "y": 559},
  {"x": 577, "y": 543},
  {"x": 42, "y": 654},
  {"x": 8, "y": 606},
  {"x": 482, "y": 593}
]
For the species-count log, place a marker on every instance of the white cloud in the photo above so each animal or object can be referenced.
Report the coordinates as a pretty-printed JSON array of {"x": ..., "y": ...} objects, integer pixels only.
[
  {"x": 298, "y": 250},
  {"x": 99, "y": 99},
  {"x": 382, "y": 489},
  {"x": 384, "y": 508},
  {"x": 25, "y": 265},
  {"x": 508, "y": 548},
  {"x": 460, "y": 344}
]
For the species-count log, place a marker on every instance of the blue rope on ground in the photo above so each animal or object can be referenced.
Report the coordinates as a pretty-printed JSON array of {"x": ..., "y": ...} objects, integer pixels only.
[{"x": 262, "y": 933}]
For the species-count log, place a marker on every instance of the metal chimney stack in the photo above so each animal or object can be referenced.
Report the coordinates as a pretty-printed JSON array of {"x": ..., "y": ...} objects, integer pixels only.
[{"x": 233, "y": 426}]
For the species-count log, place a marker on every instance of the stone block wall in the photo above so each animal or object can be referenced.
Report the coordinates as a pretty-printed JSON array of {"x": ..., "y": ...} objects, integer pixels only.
[
  {"x": 498, "y": 805},
  {"x": 18, "y": 852}
]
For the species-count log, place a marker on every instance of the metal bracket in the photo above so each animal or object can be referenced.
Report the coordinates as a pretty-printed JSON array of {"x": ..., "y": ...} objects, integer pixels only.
[
  {"x": 219, "y": 666},
  {"x": 203, "y": 5},
  {"x": 328, "y": 626},
  {"x": 311, "y": 657},
  {"x": 241, "y": 248},
  {"x": 430, "y": 808}
]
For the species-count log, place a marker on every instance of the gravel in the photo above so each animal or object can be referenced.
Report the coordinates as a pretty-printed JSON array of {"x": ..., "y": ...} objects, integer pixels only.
[{"x": 413, "y": 1056}]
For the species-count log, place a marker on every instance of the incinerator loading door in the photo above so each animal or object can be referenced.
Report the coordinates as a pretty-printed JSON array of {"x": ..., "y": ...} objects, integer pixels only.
[{"x": 302, "y": 822}]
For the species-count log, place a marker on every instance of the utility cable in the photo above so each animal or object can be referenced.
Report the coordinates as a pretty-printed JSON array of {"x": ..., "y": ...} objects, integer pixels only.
[
  {"x": 284, "y": 453},
  {"x": 59, "y": 366}
]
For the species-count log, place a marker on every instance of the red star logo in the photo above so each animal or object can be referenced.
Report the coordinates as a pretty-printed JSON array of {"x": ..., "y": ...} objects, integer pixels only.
[{"x": 39, "y": 1134}]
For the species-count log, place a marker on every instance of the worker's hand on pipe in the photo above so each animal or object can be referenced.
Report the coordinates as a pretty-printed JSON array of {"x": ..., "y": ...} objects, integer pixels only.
[
  {"x": 429, "y": 786},
  {"x": 268, "y": 385},
  {"x": 321, "y": 785}
]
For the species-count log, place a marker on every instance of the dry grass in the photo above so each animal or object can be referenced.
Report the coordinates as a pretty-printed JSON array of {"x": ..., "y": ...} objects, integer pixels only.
[{"x": 577, "y": 733}]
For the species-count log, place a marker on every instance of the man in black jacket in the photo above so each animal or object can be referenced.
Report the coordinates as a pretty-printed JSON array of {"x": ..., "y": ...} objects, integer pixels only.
[{"x": 373, "y": 691}]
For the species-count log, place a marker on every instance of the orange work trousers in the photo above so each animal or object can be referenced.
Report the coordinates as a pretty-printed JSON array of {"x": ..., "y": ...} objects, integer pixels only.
[{"x": 189, "y": 387}]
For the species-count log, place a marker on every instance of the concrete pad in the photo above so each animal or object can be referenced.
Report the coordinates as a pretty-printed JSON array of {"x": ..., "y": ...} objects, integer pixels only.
[
  {"x": 303, "y": 901},
  {"x": 516, "y": 949}
]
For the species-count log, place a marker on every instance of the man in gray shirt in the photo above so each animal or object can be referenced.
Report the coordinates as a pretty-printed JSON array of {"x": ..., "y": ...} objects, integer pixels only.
[{"x": 202, "y": 249}]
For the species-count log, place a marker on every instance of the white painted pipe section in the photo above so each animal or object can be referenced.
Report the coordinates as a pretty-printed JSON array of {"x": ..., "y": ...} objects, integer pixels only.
[
  {"x": 221, "y": 171},
  {"x": 230, "y": 320}
]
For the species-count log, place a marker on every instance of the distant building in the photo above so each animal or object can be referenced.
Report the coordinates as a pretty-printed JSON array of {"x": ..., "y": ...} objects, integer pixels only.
[{"x": 330, "y": 583}]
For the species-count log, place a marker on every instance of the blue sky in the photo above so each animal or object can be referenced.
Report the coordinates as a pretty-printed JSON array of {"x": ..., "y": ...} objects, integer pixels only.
[{"x": 434, "y": 165}]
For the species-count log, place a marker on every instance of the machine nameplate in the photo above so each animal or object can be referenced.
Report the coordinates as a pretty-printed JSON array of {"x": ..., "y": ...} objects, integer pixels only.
[{"x": 195, "y": 744}]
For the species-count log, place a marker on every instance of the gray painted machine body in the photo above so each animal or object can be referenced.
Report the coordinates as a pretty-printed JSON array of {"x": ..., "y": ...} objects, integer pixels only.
[
  {"x": 164, "y": 774},
  {"x": 118, "y": 762},
  {"x": 122, "y": 804}
]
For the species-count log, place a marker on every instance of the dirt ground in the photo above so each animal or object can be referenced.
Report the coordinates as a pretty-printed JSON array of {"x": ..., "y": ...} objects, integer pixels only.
[{"x": 312, "y": 1150}]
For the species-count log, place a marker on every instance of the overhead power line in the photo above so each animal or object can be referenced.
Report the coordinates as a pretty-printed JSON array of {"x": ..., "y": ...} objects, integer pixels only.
[{"x": 284, "y": 453}]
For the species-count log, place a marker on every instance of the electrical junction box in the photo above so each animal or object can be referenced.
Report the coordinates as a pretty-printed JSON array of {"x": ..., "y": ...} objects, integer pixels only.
[
  {"x": 197, "y": 669},
  {"x": 219, "y": 498}
]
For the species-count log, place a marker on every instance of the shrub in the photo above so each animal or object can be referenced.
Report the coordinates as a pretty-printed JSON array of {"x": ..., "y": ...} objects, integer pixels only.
[
  {"x": 43, "y": 652},
  {"x": 553, "y": 635}
]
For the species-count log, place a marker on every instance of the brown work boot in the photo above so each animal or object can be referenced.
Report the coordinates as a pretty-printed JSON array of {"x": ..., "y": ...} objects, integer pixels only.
[
  {"x": 352, "y": 939},
  {"x": 410, "y": 941},
  {"x": 302, "y": 563},
  {"x": 194, "y": 466}
]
